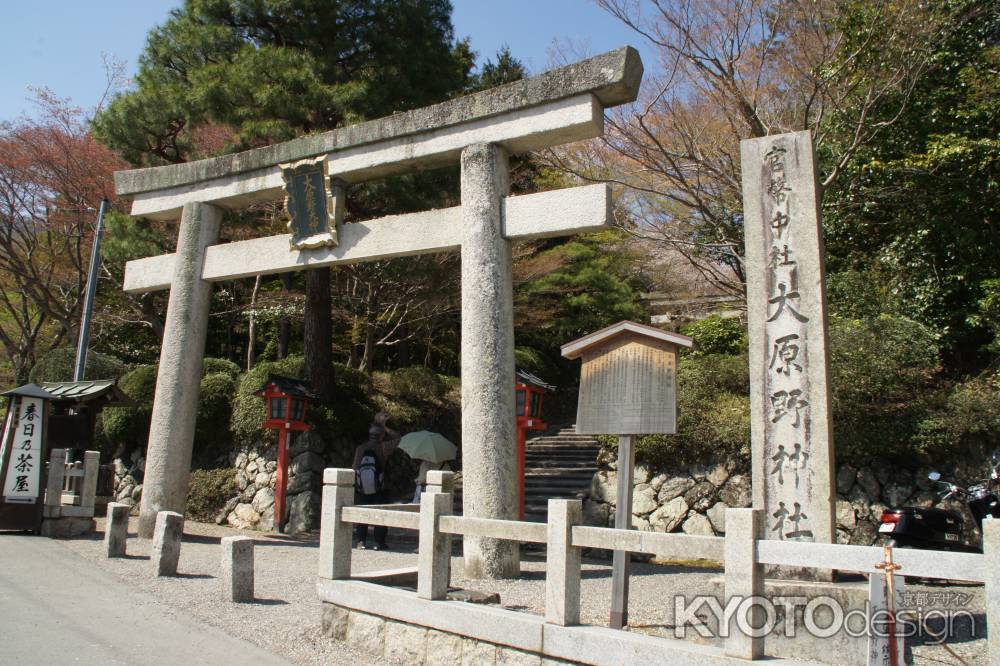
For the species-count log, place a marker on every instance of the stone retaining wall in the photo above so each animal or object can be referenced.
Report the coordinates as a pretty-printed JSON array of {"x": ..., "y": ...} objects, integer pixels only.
[
  {"x": 255, "y": 470},
  {"x": 694, "y": 500},
  {"x": 410, "y": 644}
]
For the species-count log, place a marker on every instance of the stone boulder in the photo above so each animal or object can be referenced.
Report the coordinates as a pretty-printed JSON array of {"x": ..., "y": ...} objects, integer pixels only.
[
  {"x": 262, "y": 500},
  {"x": 736, "y": 493},
  {"x": 604, "y": 486},
  {"x": 674, "y": 486},
  {"x": 596, "y": 513},
  {"x": 845, "y": 479},
  {"x": 846, "y": 517},
  {"x": 303, "y": 512},
  {"x": 698, "y": 525},
  {"x": 643, "y": 500},
  {"x": 244, "y": 517},
  {"x": 717, "y": 516},
  {"x": 868, "y": 483},
  {"x": 669, "y": 515},
  {"x": 701, "y": 496}
]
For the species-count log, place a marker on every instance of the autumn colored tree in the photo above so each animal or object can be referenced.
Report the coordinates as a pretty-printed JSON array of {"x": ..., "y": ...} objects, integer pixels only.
[{"x": 53, "y": 175}]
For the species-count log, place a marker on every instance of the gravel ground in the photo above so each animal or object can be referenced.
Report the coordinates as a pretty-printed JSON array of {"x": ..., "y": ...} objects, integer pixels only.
[{"x": 286, "y": 616}]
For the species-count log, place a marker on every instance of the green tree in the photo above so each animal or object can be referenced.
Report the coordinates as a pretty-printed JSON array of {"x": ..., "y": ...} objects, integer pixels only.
[
  {"x": 916, "y": 213},
  {"x": 222, "y": 75}
]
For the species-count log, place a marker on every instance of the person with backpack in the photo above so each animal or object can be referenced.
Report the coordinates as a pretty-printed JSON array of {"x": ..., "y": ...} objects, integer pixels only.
[{"x": 370, "y": 460}]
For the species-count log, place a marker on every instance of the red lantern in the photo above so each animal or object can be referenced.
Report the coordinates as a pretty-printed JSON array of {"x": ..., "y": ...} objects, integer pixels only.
[
  {"x": 286, "y": 402},
  {"x": 529, "y": 391}
]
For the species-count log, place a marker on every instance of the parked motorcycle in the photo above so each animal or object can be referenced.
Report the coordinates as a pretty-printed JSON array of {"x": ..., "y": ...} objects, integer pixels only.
[{"x": 942, "y": 529}]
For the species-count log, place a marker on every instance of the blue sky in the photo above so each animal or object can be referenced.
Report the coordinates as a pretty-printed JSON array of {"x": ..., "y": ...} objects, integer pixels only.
[{"x": 59, "y": 44}]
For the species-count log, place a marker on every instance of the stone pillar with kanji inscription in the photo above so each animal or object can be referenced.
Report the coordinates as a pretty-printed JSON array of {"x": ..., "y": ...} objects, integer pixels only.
[{"x": 791, "y": 437}]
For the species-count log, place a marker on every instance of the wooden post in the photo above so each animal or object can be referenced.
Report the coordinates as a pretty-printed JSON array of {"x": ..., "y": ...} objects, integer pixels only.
[
  {"x": 623, "y": 521},
  {"x": 281, "y": 481}
]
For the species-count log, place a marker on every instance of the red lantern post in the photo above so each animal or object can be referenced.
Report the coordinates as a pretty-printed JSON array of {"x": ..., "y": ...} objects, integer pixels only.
[{"x": 286, "y": 402}]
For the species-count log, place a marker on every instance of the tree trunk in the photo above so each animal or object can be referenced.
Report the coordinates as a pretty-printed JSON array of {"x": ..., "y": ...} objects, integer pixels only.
[
  {"x": 252, "y": 327},
  {"x": 285, "y": 324},
  {"x": 318, "y": 334}
]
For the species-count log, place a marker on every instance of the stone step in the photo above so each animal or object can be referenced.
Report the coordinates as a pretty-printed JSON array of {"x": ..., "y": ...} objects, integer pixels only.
[{"x": 560, "y": 468}]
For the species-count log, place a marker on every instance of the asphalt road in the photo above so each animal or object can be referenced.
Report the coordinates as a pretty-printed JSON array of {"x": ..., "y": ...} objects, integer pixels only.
[{"x": 58, "y": 608}]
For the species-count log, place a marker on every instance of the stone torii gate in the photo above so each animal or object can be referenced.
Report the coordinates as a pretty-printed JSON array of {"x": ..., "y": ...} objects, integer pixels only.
[{"x": 479, "y": 131}]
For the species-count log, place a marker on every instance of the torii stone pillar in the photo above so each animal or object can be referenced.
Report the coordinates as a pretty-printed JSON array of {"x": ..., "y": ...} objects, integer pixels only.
[
  {"x": 175, "y": 405},
  {"x": 488, "y": 421}
]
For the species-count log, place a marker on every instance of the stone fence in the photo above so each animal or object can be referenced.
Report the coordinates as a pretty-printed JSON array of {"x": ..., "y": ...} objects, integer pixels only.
[{"x": 410, "y": 624}]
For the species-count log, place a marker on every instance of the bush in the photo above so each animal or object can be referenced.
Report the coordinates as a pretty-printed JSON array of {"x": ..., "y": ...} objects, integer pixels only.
[
  {"x": 212, "y": 366},
  {"x": 416, "y": 384},
  {"x": 964, "y": 423},
  {"x": 58, "y": 364},
  {"x": 248, "y": 410},
  {"x": 343, "y": 424},
  {"x": 717, "y": 335},
  {"x": 208, "y": 492},
  {"x": 212, "y": 439},
  {"x": 127, "y": 428}
]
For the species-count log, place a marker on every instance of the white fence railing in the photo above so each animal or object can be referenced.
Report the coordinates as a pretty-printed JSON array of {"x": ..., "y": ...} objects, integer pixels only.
[{"x": 742, "y": 554}]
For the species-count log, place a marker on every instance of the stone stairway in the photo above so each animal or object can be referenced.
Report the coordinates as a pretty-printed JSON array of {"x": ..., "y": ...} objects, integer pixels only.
[{"x": 558, "y": 465}]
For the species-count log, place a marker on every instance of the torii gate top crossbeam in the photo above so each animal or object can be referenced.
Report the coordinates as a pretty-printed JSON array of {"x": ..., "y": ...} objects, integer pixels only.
[{"x": 565, "y": 104}]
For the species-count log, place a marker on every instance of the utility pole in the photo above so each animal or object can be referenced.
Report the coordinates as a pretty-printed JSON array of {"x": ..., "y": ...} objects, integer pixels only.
[{"x": 88, "y": 301}]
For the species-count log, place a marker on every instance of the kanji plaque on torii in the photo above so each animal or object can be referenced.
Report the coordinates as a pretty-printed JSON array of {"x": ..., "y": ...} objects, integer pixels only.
[{"x": 792, "y": 447}]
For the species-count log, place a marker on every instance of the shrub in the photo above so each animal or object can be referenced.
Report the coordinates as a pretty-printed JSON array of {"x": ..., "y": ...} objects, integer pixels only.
[
  {"x": 212, "y": 438},
  {"x": 208, "y": 492},
  {"x": 717, "y": 335},
  {"x": 212, "y": 366},
  {"x": 344, "y": 421},
  {"x": 416, "y": 384},
  {"x": 58, "y": 364},
  {"x": 127, "y": 428},
  {"x": 248, "y": 411},
  {"x": 964, "y": 423}
]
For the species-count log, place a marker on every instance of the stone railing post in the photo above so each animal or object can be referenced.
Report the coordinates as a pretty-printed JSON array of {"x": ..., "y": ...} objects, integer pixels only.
[
  {"x": 88, "y": 492},
  {"x": 116, "y": 529},
  {"x": 562, "y": 564},
  {"x": 440, "y": 481},
  {"x": 991, "y": 567},
  {"x": 334, "y": 534},
  {"x": 434, "y": 553},
  {"x": 167, "y": 534},
  {"x": 54, "y": 484},
  {"x": 744, "y": 578},
  {"x": 237, "y": 569}
]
